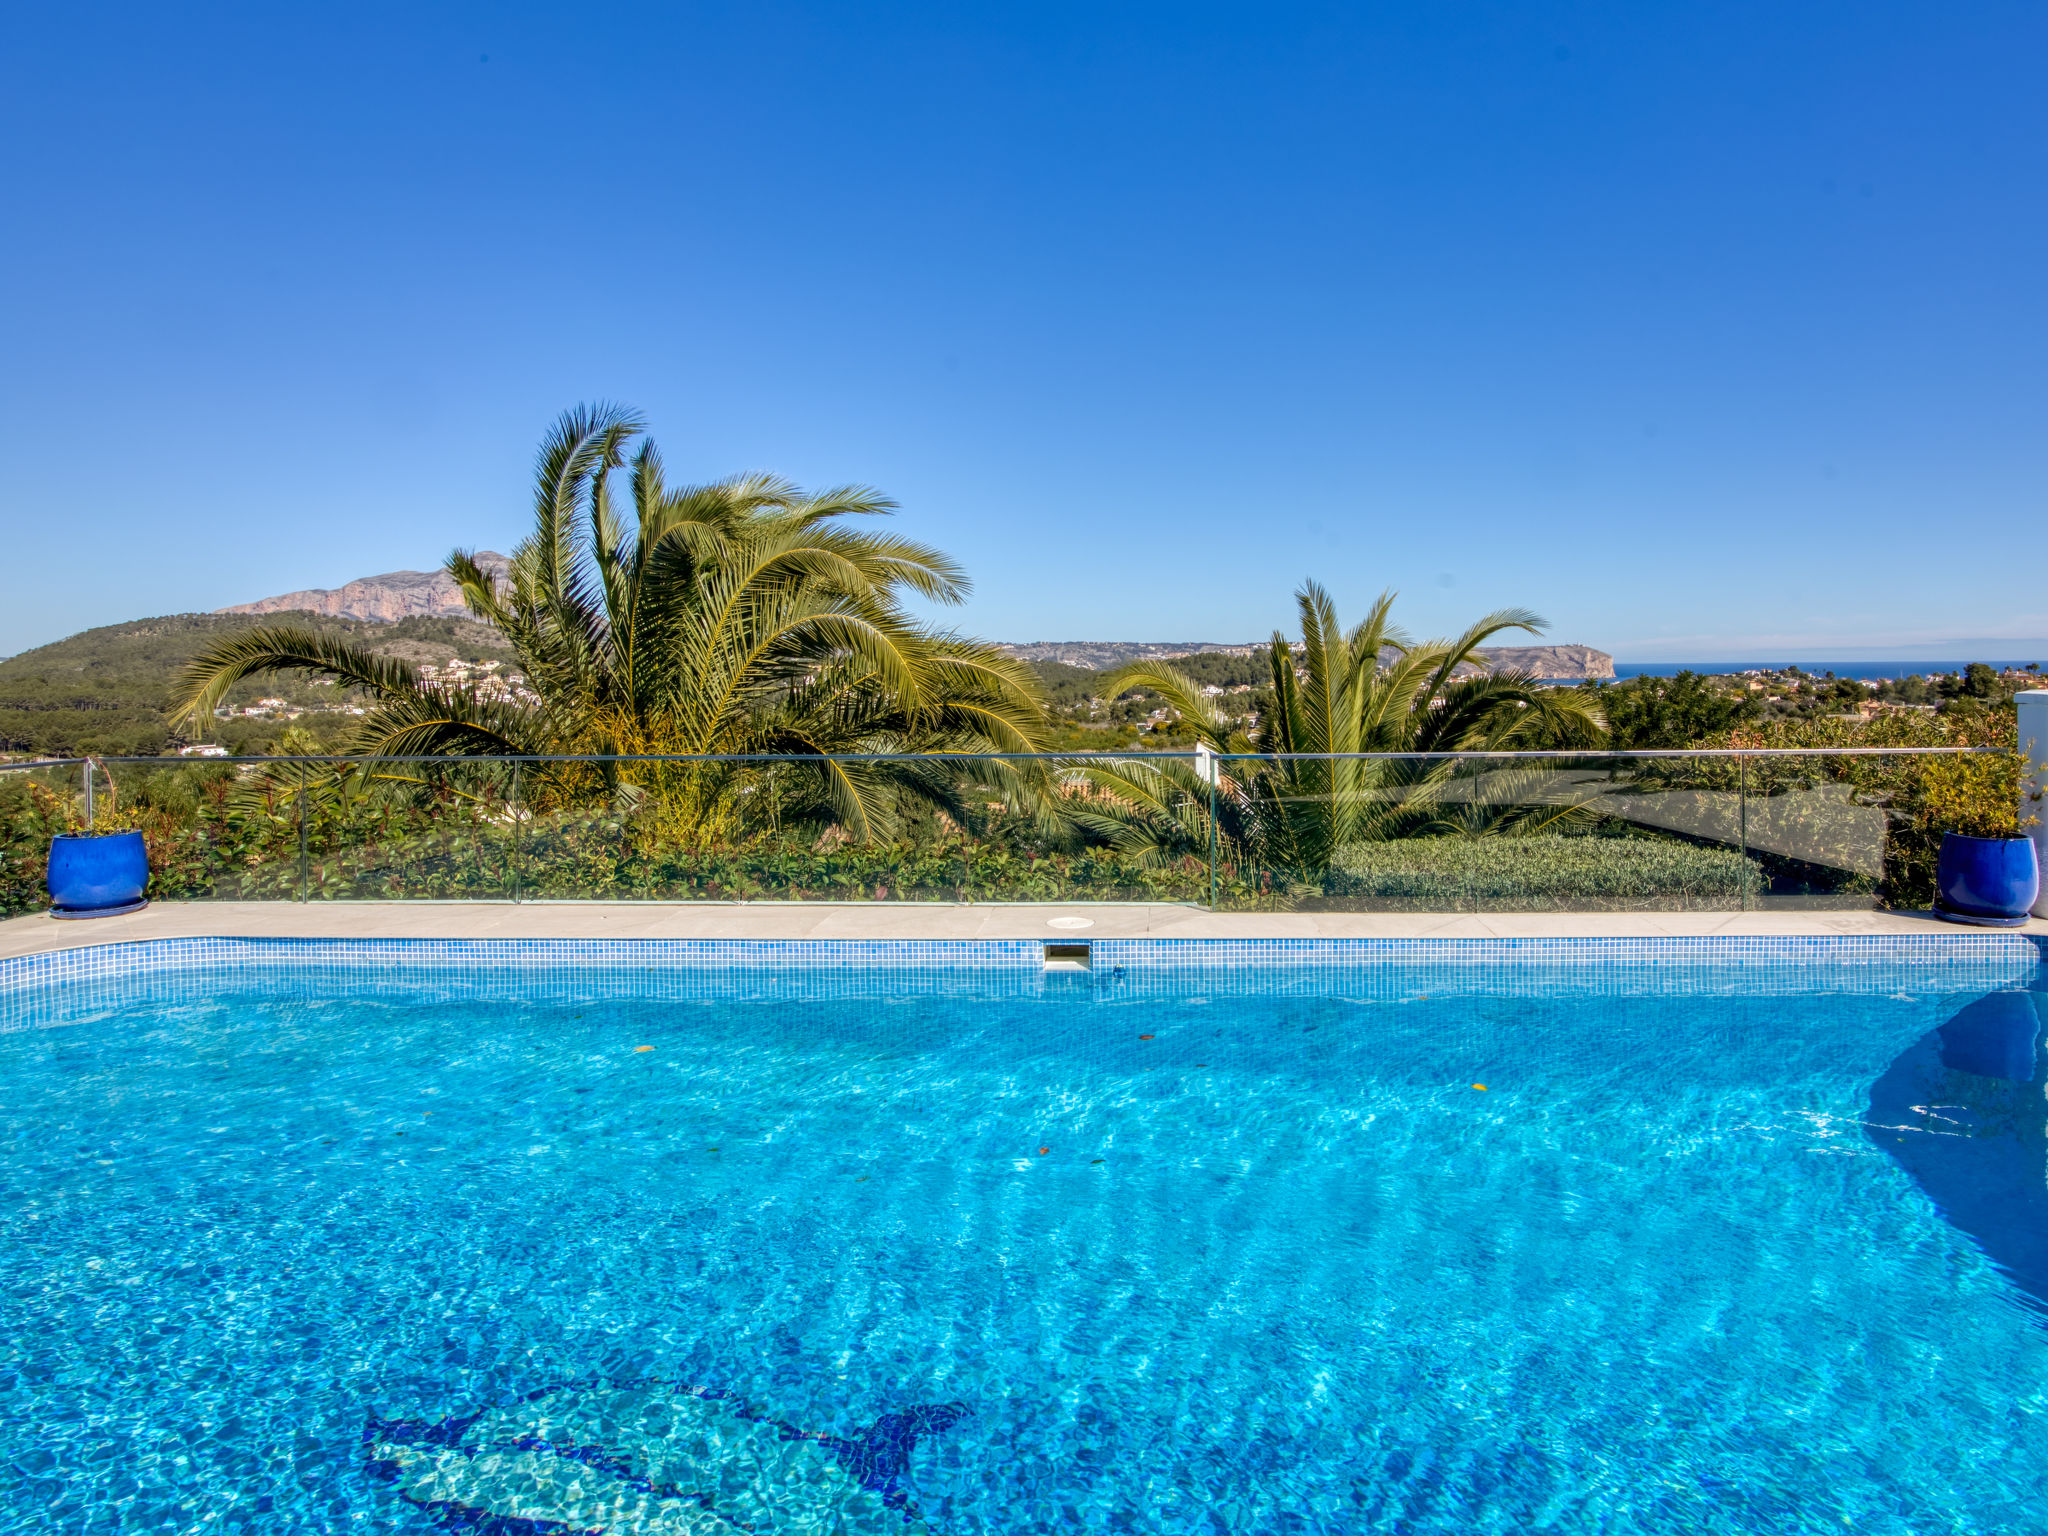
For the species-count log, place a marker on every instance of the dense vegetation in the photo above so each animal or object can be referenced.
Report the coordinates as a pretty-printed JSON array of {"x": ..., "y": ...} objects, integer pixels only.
[
  {"x": 1688, "y": 709},
  {"x": 1832, "y": 831}
]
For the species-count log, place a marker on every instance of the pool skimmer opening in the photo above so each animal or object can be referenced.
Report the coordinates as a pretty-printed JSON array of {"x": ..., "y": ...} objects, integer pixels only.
[{"x": 1066, "y": 956}]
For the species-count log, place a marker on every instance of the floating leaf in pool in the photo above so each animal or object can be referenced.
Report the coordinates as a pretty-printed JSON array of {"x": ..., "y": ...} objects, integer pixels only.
[
  {"x": 1144, "y": 1037},
  {"x": 1480, "y": 1086},
  {"x": 639, "y": 1048}
]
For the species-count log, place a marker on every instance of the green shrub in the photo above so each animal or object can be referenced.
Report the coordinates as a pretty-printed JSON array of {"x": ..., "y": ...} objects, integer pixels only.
[
  {"x": 1922, "y": 797},
  {"x": 1535, "y": 874}
]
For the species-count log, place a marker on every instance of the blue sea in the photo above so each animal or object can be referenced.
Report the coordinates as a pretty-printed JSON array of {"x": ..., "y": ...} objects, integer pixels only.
[
  {"x": 1389, "y": 1247},
  {"x": 1871, "y": 670}
]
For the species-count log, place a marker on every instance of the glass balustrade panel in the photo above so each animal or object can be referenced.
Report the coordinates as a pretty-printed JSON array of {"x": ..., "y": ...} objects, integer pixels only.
[{"x": 385, "y": 829}]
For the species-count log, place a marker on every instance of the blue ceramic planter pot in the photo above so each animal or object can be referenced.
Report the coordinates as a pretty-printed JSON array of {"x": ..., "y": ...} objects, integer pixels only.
[
  {"x": 97, "y": 875},
  {"x": 1989, "y": 881}
]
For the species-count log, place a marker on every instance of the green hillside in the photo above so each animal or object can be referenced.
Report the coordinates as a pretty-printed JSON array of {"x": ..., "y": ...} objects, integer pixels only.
[{"x": 108, "y": 690}]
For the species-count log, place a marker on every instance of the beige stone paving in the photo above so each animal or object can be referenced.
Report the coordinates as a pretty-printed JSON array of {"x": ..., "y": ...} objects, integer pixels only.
[{"x": 826, "y": 920}]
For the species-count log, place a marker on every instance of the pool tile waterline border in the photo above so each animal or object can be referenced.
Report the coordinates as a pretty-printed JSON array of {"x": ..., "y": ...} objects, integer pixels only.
[{"x": 64, "y": 984}]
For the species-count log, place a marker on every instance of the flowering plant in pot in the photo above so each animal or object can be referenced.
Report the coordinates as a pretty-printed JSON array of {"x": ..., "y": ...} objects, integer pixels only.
[
  {"x": 1988, "y": 873},
  {"x": 93, "y": 873}
]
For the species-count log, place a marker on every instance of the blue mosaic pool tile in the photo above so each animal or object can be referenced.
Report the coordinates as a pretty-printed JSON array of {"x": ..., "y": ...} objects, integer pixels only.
[
  {"x": 1551, "y": 967},
  {"x": 42, "y": 988}
]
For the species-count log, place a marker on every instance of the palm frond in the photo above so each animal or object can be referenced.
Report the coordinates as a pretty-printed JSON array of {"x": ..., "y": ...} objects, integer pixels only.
[
  {"x": 1181, "y": 693},
  {"x": 206, "y": 678}
]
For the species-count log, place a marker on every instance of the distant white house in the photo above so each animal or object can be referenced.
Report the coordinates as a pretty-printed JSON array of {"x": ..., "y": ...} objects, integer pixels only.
[{"x": 202, "y": 749}]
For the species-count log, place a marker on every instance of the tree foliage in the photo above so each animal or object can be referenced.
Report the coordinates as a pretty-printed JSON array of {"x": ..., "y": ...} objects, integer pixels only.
[
  {"x": 1650, "y": 713},
  {"x": 1369, "y": 689},
  {"x": 744, "y": 616}
]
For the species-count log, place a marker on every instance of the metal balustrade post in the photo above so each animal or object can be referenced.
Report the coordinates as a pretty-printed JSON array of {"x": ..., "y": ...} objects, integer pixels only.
[
  {"x": 305, "y": 863},
  {"x": 1210, "y": 770},
  {"x": 1212, "y": 840},
  {"x": 88, "y": 794},
  {"x": 1742, "y": 816},
  {"x": 518, "y": 835}
]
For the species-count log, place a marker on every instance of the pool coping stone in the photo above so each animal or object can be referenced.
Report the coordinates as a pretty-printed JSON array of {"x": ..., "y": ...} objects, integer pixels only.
[{"x": 920, "y": 922}]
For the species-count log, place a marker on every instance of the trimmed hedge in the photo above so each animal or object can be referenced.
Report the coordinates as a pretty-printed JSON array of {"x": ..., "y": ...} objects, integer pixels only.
[{"x": 1535, "y": 874}]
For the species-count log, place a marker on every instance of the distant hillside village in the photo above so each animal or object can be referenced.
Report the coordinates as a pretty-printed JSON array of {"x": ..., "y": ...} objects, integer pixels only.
[{"x": 1553, "y": 663}]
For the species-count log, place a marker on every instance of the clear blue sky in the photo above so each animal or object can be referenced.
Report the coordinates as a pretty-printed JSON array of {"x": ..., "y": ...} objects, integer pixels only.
[{"x": 1708, "y": 331}]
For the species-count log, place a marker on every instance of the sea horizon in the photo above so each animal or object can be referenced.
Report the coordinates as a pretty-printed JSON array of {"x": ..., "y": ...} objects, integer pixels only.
[{"x": 1865, "y": 670}]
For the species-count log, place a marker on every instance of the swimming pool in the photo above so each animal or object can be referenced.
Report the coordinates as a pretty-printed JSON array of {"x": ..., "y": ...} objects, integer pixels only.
[{"x": 1307, "y": 1237}]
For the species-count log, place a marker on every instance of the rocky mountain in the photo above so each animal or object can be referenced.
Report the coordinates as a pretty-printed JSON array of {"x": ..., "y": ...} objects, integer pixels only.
[
  {"x": 379, "y": 599},
  {"x": 1558, "y": 663},
  {"x": 1554, "y": 663}
]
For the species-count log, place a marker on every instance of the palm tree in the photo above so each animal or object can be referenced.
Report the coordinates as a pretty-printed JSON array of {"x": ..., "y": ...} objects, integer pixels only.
[
  {"x": 1371, "y": 690},
  {"x": 740, "y": 617}
]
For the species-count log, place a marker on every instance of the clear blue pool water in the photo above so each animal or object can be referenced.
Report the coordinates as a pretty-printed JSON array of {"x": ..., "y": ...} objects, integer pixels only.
[{"x": 398, "y": 1252}]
